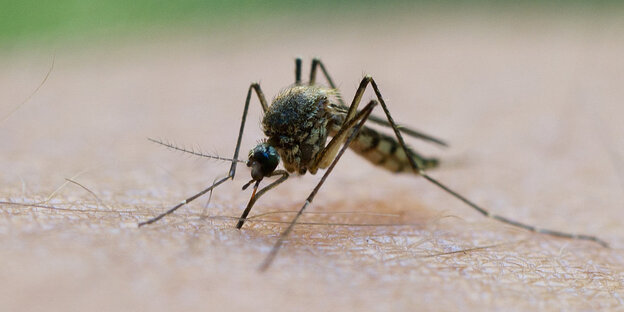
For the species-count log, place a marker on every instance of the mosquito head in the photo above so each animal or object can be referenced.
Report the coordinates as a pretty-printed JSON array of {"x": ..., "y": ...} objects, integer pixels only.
[{"x": 263, "y": 159}]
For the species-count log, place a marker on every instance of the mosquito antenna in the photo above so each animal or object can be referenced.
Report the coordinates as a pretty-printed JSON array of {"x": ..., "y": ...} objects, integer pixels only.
[
  {"x": 509, "y": 221},
  {"x": 192, "y": 152}
]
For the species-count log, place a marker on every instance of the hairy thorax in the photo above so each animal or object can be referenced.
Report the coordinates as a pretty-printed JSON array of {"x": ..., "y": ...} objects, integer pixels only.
[{"x": 296, "y": 125}]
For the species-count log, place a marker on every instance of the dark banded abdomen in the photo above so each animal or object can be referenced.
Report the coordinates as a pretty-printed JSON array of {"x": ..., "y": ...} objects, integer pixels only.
[{"x": 384, "y": 150}]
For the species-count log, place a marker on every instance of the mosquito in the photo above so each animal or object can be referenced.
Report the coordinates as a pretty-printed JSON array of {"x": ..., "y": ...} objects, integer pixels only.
[{"x": 297, "y": 126}]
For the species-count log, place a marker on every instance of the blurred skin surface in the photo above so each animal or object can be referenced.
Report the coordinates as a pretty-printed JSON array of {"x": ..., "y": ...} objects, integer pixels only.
[{"x": 530, "y": 104}]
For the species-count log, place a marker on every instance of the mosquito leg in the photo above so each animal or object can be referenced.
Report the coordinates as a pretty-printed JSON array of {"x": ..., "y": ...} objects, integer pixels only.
[
  {"x": 411, "y": 132},
  {"x": 316, "y": 63},
  {"x": 298, "y": 71},
  {"x": 184, "y": 202},
  {"x": 255, "y": 197},
  {"x": 513, "y": 222},
  {"x": 254, "y": 86},
  {"x": 360, "y": 118},
  {"x": 328, "y": 154},
  {"x": 468, "y": 202}
]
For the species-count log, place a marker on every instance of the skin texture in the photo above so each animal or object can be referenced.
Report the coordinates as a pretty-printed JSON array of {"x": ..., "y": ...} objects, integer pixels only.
[{"x": 533, "y": 118}]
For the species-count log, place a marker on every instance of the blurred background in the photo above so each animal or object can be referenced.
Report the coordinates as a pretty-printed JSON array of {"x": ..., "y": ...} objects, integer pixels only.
[
  {"x": 529, "y": 95},
  {"x": 24, "y": 22}
]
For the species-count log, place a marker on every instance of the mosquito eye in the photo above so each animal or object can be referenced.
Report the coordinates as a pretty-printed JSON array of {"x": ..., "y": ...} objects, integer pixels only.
[
  {"x": 267, "y": 156},
  {"x": 263, "y": 159},
  {"x": 261, "y": 156}
]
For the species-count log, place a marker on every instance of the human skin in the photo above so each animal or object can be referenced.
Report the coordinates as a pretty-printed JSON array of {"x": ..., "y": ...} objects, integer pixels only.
[{"x": 532, "y": 118}]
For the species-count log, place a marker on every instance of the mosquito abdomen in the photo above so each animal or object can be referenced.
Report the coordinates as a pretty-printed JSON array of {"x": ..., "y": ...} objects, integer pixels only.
[{"x": 385, "y": 151}]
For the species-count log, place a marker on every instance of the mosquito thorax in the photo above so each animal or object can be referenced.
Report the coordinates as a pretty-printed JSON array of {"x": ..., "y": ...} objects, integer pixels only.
[
  {"x": 296, "y": 125},
  {"x": 263, "y": 159}
]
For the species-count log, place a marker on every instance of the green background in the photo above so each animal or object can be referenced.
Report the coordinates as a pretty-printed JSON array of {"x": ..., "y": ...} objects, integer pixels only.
[{"x": 36, "y": 20}]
